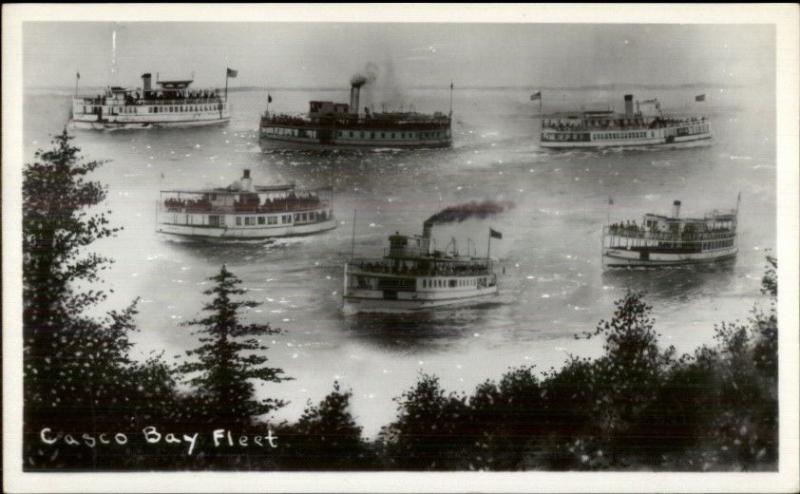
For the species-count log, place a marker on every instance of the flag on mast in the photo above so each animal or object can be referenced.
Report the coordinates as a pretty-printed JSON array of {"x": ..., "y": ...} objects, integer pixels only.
[
  {"x": 536, "y": 95},
  {"x": 494, "y": 233},
  {"x": 232, "y": 73},
  {"x": 700, "y": 97},
  {"x": 269, "y": 98},
  {"x": 610, "y": 201},
  {"x": 77, "y": 75}
]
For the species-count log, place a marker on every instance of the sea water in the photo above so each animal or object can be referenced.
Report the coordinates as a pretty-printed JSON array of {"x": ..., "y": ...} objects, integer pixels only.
[{"x": 551, "y": 283}]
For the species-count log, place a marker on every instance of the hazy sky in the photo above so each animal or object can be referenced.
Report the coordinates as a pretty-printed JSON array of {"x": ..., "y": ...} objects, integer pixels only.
[{"x": 321, "y": 54}]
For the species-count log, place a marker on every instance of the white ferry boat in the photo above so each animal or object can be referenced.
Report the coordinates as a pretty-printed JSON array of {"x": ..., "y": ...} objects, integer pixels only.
[
  {"x": 605, "y": 128},
  {"x": 243, "y": 211},
  {"x": 172, "y": 104},
  {"x": 671, "y": 240},
  {"x": 412, "y": 276}
]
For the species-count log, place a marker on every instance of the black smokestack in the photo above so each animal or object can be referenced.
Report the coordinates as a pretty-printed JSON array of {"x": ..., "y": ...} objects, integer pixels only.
[
  {"x": 358, "y": 80},
  {"x": 461, "y": 212},
  {"x": 369, "y": 74},
  {"x": 146, "y": 82},
  {"x": 629, "y": 106}
]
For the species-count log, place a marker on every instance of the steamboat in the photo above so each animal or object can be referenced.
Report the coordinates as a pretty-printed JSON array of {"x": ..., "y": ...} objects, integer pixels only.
[
  {"x": 413, "y": 276},
  {"x": 171, "y": 104},
  {"x": 243, "y": 211},
  {"x": 671, "y": 240},
  {"x": 341, "y": 125},
  {"x": 606, "y": 128}
]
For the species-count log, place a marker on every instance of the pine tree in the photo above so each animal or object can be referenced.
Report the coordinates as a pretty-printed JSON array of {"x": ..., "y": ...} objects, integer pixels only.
[
  {"x": 628, "y": 376},
  {"x": 326, "y": 437},
  {"x": 223, "y": 369},
  {"x": 73, "y": 364}
]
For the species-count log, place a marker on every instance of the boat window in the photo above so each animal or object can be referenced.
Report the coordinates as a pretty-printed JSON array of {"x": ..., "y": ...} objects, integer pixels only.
[
  {"x": 272, "y": 220},
  {"x": 261, "y": 220},
  {"x": 238, "y": 221}
]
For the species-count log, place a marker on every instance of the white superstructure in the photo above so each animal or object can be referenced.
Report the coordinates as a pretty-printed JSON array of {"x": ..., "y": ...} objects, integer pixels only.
[
  {"x": 172, "y": 104},
  {"x": 244, "y": 211},
  {"x": 671, "y": 240}
]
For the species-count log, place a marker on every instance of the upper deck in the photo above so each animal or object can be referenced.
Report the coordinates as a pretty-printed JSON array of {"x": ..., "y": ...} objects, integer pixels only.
[
  {"x": 167, "y": 92},
  {"x": 715, "y": 229},
  {"x": 244, "y": 197},
  {"x": 379, "y": 121}
]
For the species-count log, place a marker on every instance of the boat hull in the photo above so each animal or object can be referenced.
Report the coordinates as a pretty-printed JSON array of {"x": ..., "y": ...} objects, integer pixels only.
[
  {"x": 373, "y": 301},
  {"x": 143, "y": 125},
  {"x": 250, "y": 233},
  {"x": 624, "y": 258}
]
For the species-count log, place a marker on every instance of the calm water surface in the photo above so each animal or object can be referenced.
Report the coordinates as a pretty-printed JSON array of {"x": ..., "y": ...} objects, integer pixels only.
[{"x": 551, "y": 287}]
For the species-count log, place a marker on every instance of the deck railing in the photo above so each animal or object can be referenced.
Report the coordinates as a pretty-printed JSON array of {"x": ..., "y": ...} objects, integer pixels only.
[
  {"x": 641, "y": 234},
  {"x": 149, "y": 102},
  {"x": 242, "y": 209},
  {"x": 379, "y": 266}
]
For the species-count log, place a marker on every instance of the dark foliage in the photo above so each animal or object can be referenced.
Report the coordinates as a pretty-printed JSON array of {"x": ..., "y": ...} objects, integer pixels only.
[
  {"x": 426, "y": 434},
  {"x": 78, "y": 377},
  {"x": 326, "y": 437},
  {"x": 226, "y": 361}
]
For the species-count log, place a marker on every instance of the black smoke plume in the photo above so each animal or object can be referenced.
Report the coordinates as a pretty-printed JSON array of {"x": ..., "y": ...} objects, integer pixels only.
[
  {"x": 474, "y": 209},
  {"x": 369, "y": 74}
]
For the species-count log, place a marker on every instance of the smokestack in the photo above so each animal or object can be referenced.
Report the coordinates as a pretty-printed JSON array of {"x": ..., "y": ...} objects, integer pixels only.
[
  {"x": 356, "y": 82},
  {"x": 146, "y": 82},
  {"x": 354, "y": 93},
  {"x": 426, "y": 229},
  {"x": 426, "y": 236},
  {"x": 676, "y": 209},
  {"x": 246, "y": 182},
  {"x": 628, "y": 106}
]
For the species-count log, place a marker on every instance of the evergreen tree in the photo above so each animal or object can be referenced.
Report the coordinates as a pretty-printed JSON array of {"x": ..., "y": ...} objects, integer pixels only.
[
  {"x": 73, "y": 365},
  {"x": 223, "y": 368},
  {"x": 627, "y": 378},
  {"x": 427, "y": 432},
  {"x": 326, "y": 437}
]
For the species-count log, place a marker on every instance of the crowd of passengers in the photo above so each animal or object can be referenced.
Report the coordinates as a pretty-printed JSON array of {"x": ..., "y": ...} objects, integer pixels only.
[
  {"x": 365, "y": 123},
  {"x": 250, "y": 203},
  {"x": 136, "y": 98},
  {"x": 630, "y": 228},
  {"x": 435, "y": 269},
  {"x": 620, "y": 124}
]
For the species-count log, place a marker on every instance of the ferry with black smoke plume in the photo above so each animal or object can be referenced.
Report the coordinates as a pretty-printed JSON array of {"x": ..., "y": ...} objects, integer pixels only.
[
  {"x": 413, "y": 275},
  {"x": 341, "y": 125}
]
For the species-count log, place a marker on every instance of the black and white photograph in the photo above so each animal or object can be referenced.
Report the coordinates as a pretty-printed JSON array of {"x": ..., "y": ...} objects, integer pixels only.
[{"x": 387, "y": 242}]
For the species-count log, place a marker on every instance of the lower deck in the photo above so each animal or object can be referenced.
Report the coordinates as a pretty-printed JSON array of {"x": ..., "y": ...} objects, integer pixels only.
[
  {"x": 100, "y": 117},
  {"x": 245, "y": 225},
  {"x": 645, "y": 257},
  {"x": 619, "y": 138},
  {"x": 281, "y": 136},
  {"x": 375, "y": 291}
]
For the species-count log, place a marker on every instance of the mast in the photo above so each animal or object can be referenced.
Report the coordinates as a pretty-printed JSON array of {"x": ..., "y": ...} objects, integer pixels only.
[
  {"x": 353, "y": 238},
  {"x": 451, "y": 99}
]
